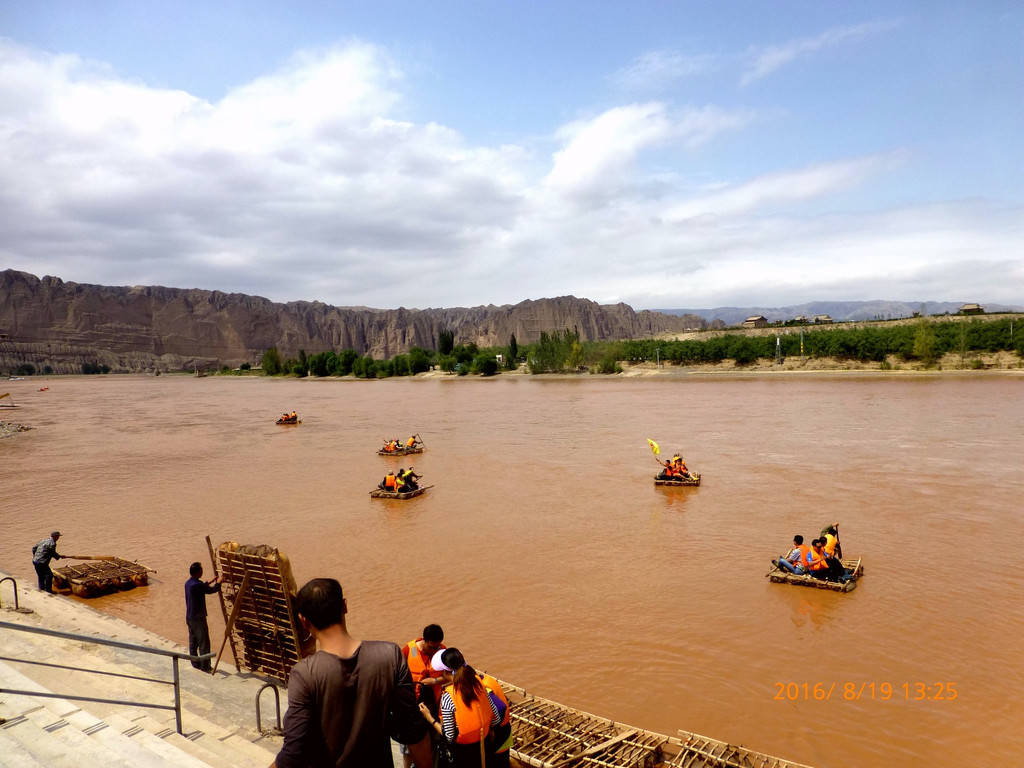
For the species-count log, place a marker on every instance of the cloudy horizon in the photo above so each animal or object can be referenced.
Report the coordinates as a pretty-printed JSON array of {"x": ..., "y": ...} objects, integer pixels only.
[{"x": 674, "y": 161}]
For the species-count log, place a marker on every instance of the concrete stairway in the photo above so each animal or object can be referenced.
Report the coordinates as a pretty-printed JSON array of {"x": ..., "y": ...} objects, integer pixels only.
[{"x": 218, "y": 712}]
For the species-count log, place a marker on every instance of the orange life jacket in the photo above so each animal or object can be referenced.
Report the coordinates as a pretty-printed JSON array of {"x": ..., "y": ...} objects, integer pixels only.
[
  {"x": 419, "y": 665},
  {"x": 804, "y": 559},
  {"x": 816, "y": 561},
  {"x": 473, "y": 720},
  {"x": 389, "y": 481},
  {"x": 493, "y": 686},
  {"x": 410, "y": 442},
  {"x": 830, "y": 544}
]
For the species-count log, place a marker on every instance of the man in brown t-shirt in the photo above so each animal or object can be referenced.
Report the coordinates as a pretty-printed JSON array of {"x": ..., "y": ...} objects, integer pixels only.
[{"x": 347, "y": 700}]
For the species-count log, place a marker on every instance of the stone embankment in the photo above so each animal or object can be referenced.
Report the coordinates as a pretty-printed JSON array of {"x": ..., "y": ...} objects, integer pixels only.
[{"x": 218, "y": 712}]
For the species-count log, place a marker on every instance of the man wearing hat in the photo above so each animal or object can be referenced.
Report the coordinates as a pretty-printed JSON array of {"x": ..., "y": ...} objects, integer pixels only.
[{"x": 42, "y": 554}]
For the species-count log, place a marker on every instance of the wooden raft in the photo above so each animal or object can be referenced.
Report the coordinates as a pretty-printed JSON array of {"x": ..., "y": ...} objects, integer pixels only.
[
  {"x": 694, "y": 479},
  {"x": 551, "y": 735},
  {"x": 258, "y": 590},
  {"x": 778, "y": 576},
  {"x": 400, "y": 451},
  {"x": 101, "y": 575},
  {"x": 379, "y": 494}
]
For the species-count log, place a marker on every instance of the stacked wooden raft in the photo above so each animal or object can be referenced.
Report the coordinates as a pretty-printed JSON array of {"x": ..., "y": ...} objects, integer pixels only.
[
  {"x": 547, "y": 734},
  {"x": 258, "y": 590},
  {"x": 785, "y": 577},
  {"x": 100, "y": 576}
]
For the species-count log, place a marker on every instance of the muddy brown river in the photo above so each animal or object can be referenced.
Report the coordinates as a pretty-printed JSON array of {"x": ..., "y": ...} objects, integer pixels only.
[{"x": 552, "y": 561}]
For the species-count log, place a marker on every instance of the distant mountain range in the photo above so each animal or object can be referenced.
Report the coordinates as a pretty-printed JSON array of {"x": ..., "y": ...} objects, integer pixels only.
[{"x": 837, "y": 310}]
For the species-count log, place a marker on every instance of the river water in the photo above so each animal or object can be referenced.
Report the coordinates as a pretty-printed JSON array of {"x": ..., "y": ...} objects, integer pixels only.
[{"x": 552, "y": 561}]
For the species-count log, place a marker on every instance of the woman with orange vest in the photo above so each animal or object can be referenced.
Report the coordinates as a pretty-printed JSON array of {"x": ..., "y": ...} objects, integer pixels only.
[{"x": 468, "y": 712}]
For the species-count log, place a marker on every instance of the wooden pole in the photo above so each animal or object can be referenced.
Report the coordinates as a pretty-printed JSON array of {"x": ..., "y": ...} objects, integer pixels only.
[
  {"x": 223, "y": 608},
  {"x": 231, "y": 620}
]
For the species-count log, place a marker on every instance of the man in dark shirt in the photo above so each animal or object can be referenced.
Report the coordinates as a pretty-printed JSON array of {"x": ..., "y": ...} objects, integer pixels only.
[
  {"x": 347, "y": 700},
  {"x": 42, "y": 554},
  {"x": 196, "y": 591}
]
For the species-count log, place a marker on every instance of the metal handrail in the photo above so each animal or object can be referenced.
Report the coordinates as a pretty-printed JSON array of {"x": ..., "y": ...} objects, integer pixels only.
[
  {"x": 174, "y": 655},
  {"x": 277, "y": 705},
  {"x": 15, "y": 584}
]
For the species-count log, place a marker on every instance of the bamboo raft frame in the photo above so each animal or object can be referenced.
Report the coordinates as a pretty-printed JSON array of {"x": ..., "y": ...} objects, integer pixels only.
[
  {"x": 377, "y": 493},
  {"x": 288, "y": 423},
  {"x": 551, "y": 735},
  {"x": 777, "y": 576},
  {"x": 694, "y": 479},
  {"x": 400, "y": 451},
  {"x": 257, "y": 591},
  {"x": 101, "y": 575}
]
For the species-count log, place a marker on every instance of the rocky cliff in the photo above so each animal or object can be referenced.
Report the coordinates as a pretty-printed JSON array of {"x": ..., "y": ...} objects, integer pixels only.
[{"x": 49, "y": 322}]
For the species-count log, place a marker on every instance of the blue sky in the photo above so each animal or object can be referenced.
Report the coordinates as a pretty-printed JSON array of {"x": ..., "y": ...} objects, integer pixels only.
[{"x": 664, "y": 154}]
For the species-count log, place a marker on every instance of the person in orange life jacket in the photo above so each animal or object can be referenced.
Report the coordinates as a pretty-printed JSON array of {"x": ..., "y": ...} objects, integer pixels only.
[
  {"x": 499, "y": 742},
  {"x": 823, "y": 567},
  {"x": 468, "y": 712},
  {"x": 418, "y": 654},
  {"x": 834, "y": 550},
  {"x": 668, "y": 473},
  {"x": 429, "y": 682},
  {"x": 795, "y": 561},
  {"x": 410, "y": 442},
  {"x": 294, "y": 416},
  {"x": 680, "y": 467},
  {"x": 389, "y": 483},
  {"x": 407, "y": 480}
]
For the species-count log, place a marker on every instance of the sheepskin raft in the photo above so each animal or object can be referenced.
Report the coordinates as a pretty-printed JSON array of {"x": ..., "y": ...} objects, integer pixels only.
[
  {"x": 551, "y": 735},
  {"x": 778, "y": 576},
  {"x": 693, "y": 479},
  {"x": 100, "y": 575},
  {"x": 258, "y": 591}
]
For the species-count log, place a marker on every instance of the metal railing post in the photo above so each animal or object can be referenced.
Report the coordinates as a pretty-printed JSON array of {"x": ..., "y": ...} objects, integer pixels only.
[{"x": 177, "y": 694}]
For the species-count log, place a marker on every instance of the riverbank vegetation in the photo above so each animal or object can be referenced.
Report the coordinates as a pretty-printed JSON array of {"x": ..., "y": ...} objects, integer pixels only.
[{"x": 920, "y": 343}]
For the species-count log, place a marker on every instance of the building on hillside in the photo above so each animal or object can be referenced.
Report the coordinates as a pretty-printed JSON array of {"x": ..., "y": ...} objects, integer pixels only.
[
  {"x": 971, "y": 309},
  {"x": 759, "y": 321},
  {"x": 821, "y": 319},
  {"x": 801, "y": 319}
]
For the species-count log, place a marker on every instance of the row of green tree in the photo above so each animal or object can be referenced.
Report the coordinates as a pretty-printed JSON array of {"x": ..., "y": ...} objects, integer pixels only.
[
  {"x": 563, "y": 351},
  {"x": 925, "y": 341}
]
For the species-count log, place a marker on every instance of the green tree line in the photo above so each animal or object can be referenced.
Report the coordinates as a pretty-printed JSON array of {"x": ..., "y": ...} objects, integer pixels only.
[{"x": 563, "y": 351}]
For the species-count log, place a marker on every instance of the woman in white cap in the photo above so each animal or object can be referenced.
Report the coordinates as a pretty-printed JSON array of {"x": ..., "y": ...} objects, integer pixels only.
[{"x": 468, "y": 712}]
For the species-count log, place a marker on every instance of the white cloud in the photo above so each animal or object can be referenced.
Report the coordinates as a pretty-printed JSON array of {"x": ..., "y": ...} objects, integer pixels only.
[
  {"x": 656, "y": 70},
  {"x": 766, "y": 60},
  {"x": 308, "y": 184}
]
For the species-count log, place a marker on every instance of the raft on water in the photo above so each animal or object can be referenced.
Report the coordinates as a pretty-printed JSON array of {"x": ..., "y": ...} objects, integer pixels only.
[
  {"x": 102, "y": 575},
  {"x": 377, "y": 493},
  {"x": 289, "y": 422},
  {"x": 547, "y": 734},
  {"x": 693, "y": 479},
  {"x": 403, "y": 451},
  {"x": 779, "y": 576}
]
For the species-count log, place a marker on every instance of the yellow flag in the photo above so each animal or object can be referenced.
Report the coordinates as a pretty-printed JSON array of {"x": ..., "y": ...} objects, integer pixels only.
[{"x": 654, "y": 446}]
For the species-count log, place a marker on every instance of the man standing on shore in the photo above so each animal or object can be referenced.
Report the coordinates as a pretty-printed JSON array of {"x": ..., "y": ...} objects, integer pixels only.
[
  {"x": 347, "y": 700},
  {"x": 42, "y": 554},
  {"x": 196, "y": 591}
]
